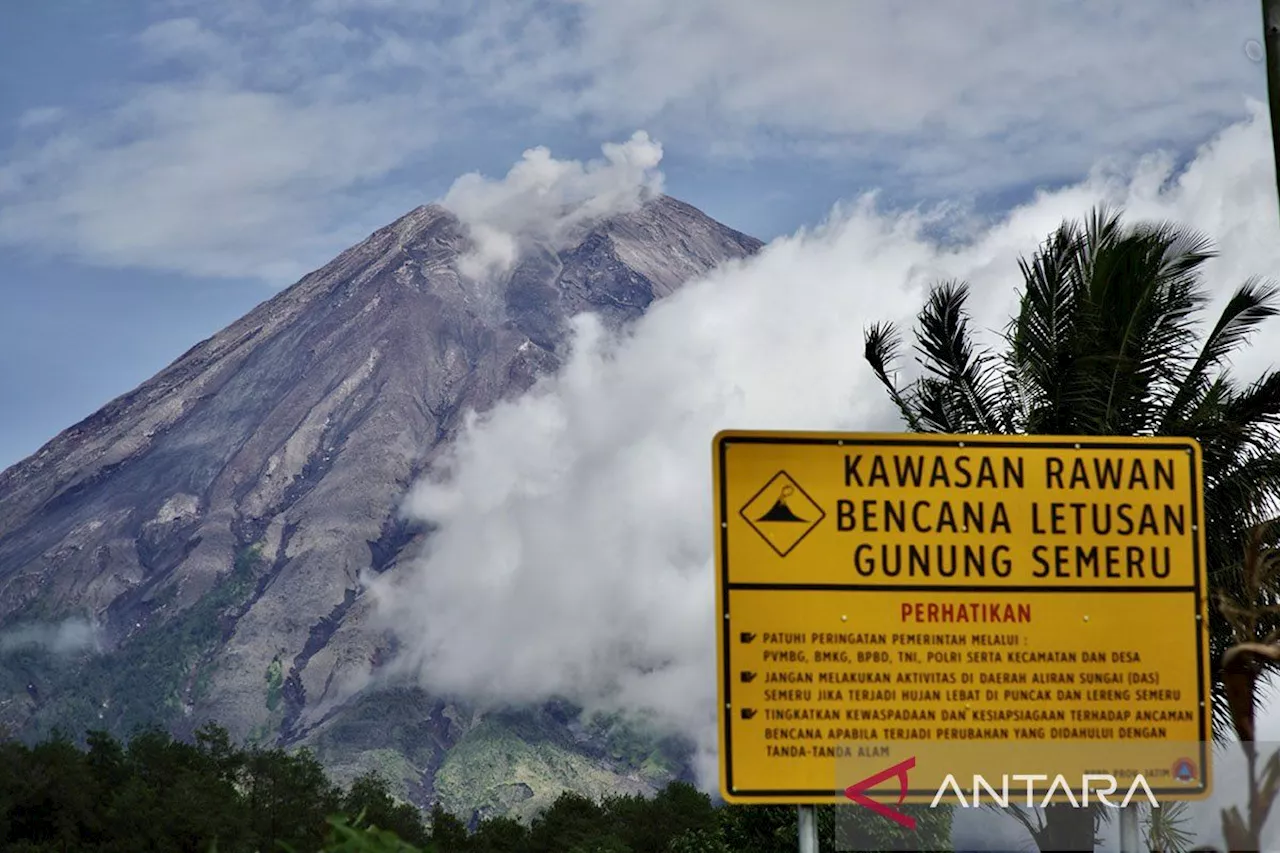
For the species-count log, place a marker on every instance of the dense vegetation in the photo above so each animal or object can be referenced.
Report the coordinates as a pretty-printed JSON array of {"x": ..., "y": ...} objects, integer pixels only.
[
  {"x": 147, "y": 679},
  {"x": 155, "y": 793}
]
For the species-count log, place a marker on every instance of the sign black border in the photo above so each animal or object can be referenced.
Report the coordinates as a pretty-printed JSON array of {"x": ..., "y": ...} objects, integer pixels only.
[{"x": 723, "y": 441}]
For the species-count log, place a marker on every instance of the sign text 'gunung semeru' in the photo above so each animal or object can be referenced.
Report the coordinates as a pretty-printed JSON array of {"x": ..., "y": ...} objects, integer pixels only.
[{"x": 985, "y": 604}]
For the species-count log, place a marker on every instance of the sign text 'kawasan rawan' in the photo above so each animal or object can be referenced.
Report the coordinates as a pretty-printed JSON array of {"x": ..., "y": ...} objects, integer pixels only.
[{"x": 985, "y": 603}]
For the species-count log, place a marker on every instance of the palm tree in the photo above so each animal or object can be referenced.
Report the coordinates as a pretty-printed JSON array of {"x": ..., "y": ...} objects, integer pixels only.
[{"x": 1105, "y": 342}]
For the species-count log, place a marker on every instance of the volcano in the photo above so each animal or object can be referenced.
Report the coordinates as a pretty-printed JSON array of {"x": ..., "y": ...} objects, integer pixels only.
[{"x": 213, "y": 523}]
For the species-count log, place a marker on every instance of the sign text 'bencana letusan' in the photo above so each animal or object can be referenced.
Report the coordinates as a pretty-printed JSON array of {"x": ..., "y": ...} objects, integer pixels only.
[{"x": 979, "y": 602}]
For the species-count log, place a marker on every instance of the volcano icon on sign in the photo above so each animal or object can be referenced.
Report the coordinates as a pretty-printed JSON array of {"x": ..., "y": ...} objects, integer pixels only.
[{"x": 782, "y": 513}]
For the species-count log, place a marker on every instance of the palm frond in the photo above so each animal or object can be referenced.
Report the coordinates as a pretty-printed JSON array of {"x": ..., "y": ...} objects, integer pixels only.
[
  {"x": 881, "y": 345},
  {"x": 1146, "y": 289},
  {"x": 1253, "y": 302},
  {"x": 1042, "y": 338},
  {"x": 935, "y": 402},
  {"x": 1168, "y": 828},
  {"x": 1240, "y": 498},
  {"x": 1258, "y": 404},
  {"x": 970, "y": 390}
]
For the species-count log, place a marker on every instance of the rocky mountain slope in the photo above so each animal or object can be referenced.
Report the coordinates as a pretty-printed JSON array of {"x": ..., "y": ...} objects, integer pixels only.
[{"x": 213, "y": 523}]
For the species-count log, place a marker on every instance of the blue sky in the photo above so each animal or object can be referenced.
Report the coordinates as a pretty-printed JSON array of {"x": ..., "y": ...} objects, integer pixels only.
[{"x": 165, "y": 166}]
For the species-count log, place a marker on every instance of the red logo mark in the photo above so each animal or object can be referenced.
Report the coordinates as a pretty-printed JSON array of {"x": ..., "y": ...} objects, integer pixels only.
[{"x": 856, "y": 793}]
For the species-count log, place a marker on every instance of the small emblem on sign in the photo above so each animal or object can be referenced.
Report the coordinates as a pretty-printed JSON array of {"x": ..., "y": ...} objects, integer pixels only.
[
  {"x": 1184, "y": 770},
  {"x": 782, "y": 513}
]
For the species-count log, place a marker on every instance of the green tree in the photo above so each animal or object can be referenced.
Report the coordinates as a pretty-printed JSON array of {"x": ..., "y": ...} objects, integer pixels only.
[
  {"x": 571, "y": 821},
  {"x": 1105, "y": 342},
  {"x": 290, "y": 799},
  {"x": 500, "y": 835},
  {"x": 162, "y": 794},
  {"x": 652, "y": 824},
  {"x": 448, "y": 834},
  {"x": 760, "y": 829},
  {"x": 55, "y": 798},
  {"x": 370, "y": 796},
  {"x": 700, "y": 841},
  {"x": 13, "y": 763}
]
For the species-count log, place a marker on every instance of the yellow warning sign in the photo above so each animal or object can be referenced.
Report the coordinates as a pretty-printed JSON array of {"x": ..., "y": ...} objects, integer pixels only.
[
  {"x": 972, "y": 604},
  {"x": 782, "y": 513}
]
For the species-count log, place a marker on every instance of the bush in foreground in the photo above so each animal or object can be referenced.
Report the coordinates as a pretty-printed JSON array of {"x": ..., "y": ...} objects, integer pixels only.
[{"x": 159, "y": 794}]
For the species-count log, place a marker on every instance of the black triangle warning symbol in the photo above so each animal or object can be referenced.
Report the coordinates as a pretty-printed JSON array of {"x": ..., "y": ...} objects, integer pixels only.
[{"x": 780, "y": 511}]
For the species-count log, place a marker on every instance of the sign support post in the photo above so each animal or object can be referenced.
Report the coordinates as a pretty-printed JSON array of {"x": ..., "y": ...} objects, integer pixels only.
[
  {"x": 808, "y": 826},
  {"x": 1130, "y": 838}
]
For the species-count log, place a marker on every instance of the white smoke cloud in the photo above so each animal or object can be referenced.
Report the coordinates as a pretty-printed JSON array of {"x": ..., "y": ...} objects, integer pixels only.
[
  {"x": 545, "y": 200},
  {"x": 574, "y": 556},
  {"x": 63, "y": 638}
]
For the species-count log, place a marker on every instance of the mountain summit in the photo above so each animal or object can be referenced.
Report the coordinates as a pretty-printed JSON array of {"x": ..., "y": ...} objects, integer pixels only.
[{"x": 213, "y": 523}]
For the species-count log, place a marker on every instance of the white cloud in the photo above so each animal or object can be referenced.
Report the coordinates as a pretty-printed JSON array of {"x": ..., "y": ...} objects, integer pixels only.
[
  {"x": 248, "y": 156},
  {"x": 183, "y": 38},
  {"x": 962, "y": 96},
  {"x": 66, "y": 637},
  {"x": 252, "y": 156},
  {"x": 574, "y": 551},
  {"x": 548, "y": 201},
  {"x": 40, "y": 117},
  {"x": 207, "y": 181}
]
